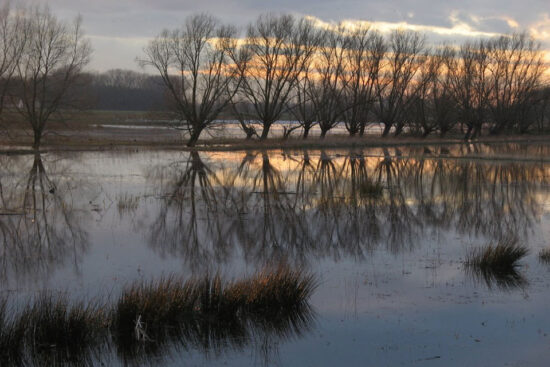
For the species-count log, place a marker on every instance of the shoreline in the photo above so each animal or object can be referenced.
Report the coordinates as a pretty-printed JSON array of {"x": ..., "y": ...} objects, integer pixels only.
[{"x": 149, "y": 139}]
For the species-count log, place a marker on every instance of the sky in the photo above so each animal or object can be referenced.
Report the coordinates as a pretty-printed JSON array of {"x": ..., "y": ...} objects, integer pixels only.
[{"x": 119, "y": 29}]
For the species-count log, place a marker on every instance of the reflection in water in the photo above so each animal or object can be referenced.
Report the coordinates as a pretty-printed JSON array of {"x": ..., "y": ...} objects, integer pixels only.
[
  {"x": 215, "y": 211},
  {"x": 40, "y": 228},
  {"x": 189, "y": 222},
  {"x": 504, "y": 280},
  {"x": 497, "y": 264},
  {"x": 214, "y": 338},
  {"x": 298, "y": 207}
]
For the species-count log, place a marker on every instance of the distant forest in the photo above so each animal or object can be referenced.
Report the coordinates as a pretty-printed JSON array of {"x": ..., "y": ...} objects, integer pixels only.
[{"x": 125, "y": 90}]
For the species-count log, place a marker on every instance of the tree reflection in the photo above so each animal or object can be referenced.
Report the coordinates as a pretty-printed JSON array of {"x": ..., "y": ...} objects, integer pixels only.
[
  {"x": 40, "y": 226},
  {"x": 190, "y": 222},
  {"x": 302, "y": 206}
]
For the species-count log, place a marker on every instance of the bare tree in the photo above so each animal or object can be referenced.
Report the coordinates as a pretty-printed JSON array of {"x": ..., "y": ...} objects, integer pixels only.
[
  {"x": 279, "y": 48},
  {"x": 541, "y": 108},
  {"x": 243, "y": 112},
  {"x": 431, "y": 107},
  {"x": 197, "y": 69},
  {"x": 400, "y": 66},
  {"x": 470, "y": 86},
  {"x": 51, "y": 63},
  {"x": 515, "y": 69},
  {"x": 365, "y": 52},
  {"x": 326, "y": 87},
  {"x": 11, "y": 47},
  {"x": 302, "y": 107}
]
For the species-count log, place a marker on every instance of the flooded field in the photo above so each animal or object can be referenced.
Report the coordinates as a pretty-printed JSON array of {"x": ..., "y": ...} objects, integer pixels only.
[{"x": 385, "y": 234}]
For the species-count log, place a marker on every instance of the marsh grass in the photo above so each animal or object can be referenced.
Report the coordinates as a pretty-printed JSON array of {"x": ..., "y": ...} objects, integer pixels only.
[
  {"x": 51, "y": 330},
  {"x": 127, "y": 203},
  {"x": 544, "y": 255},
  {"x": 368, "y": 189},
  {"x": 12, "y": 334},
  {"x": 500, "y": 257},
  {"x": 208, "y": 313},
  {"x": 53, "y": 322},
  {"x": 497, "y": 264}
]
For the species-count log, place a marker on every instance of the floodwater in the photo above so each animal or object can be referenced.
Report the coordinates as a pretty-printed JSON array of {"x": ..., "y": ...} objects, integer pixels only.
[{"x": 384, "y": 231}]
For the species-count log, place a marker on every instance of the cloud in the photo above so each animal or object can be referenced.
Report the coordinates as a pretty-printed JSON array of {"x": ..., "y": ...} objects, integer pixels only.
[
  {"x": 119, "y": 29},
  {"x": 458, "y": 29},
  {"x": 541, "y": 28}
]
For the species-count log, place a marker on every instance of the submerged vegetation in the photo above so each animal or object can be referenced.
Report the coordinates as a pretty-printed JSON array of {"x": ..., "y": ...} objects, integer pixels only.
[
  {"x": 544, "y": 255},
  {"x": 150, "y": 318},
  {"x": 498, "y": 263},
  {"x": 368, "y": 189}
]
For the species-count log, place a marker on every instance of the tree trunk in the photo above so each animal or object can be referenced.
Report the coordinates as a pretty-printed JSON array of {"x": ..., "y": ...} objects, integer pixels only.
[
  {"x": 265, "y": 131},
  {"x": 468, "y": 132},
  {"x": 37, "y": 139},
  {"x": 323, "y": 133},
  {"x": 476, "y": 132},
  {"x": 306, "y": 132},
  {"x": 286, "y": 133},
  {"x": 386, "y": 131},
  {"x": 398, "y": 130},
  {"x": 194, "y": 137},
  {"x": 362, "y": 129}
]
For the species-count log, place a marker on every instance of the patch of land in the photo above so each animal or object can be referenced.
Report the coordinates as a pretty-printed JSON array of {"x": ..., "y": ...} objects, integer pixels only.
[{"x": 115, "y": 129}]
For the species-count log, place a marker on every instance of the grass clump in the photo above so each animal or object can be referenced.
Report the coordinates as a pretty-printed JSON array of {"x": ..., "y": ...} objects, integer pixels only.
[
  {"x": 204, "y": 312},
  {"x": 544, "y": 255},
  {"x": 170, "y": 301},
  {"x": 369, "y": 189},
  {"x": 127, "y": 203},
  {"x": 54, "y": 322},
  {"x": 209, "y": 313},
  {"x": 12, "y": 334},
  {"x": 498, "y": 263},
  {"x": 51, "y": 331},
  {"x": 155, "y": 303},
  {"x": 504, "y": 256}
]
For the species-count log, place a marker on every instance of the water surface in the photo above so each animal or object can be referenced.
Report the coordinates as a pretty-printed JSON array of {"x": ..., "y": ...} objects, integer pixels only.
[{"x": 385, "y": 231}]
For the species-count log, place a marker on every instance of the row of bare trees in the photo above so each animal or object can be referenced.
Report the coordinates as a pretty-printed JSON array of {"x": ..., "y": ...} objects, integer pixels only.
[
  {"x": 41, "y": 62},
  {"x": 292, "y": 69},
  {"x": 289, "y": 69}
]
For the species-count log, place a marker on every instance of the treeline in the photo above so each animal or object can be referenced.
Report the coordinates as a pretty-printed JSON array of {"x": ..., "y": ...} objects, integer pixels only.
[
  {"x": 283, "y": 68},
  {"x": 355, "y": 76},
  {"x": 125, "y": 90}
]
